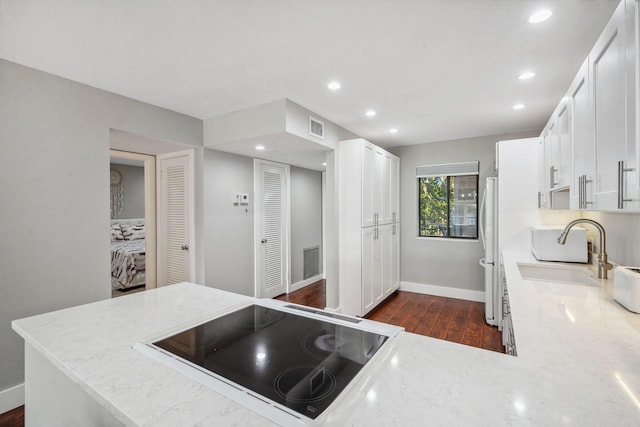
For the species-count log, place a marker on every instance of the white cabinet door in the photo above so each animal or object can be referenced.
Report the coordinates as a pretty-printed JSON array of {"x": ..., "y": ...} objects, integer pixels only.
[
  {"x": 553, "y": 141},
  {"x": 582, "y": 141},
  {"x": 373, "y": 177},
  {"x": 386, "y": 238},
  {"x": 390, "y": 173},
  {"x": 543, "y": 175},
  {"x": 394, "y": 178},
  {"x": 368, "y": 266},
  {"x": 612, "y": 65},
  {"x": 394, "y": 260},
  {"x": 559, "y": 150},
  {"x": 385, "y": 189},
  {"x": 564, "y": 147},
  {"x": 372, "y": 268},
  {"x": 389, "y": 238},
  {"x": 368, "y": 185}
]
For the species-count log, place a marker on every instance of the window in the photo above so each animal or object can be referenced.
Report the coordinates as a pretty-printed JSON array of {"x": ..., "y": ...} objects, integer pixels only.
[{"x": 448, "y": 200}]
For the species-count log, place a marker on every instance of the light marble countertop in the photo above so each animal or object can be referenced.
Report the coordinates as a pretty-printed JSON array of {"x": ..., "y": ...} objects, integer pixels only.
[{"x": 577, "y": 369}]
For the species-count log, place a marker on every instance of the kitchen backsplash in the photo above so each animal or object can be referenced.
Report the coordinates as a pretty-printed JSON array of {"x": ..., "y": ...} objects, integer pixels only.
[{"x": 623, "y": 235}]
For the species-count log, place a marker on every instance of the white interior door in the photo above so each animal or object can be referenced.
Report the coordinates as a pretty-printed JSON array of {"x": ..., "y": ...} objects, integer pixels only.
[
  {"x": 272, "y": 228},
  {"x": 176, "y": 260}
]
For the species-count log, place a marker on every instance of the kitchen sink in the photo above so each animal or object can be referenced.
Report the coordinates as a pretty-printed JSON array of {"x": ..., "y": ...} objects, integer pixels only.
[{"x": 560, "y": 273}]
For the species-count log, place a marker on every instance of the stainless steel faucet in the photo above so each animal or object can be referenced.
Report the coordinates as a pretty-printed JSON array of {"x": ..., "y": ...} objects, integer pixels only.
[{"x": 603, "y": 265}]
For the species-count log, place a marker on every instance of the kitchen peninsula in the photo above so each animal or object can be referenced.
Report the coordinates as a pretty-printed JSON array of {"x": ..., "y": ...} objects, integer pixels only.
[{"x": 581, "y": 369}]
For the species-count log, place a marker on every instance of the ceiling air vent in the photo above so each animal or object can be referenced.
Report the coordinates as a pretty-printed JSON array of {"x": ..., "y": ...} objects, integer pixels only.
[{"x": 316, "y": 128}]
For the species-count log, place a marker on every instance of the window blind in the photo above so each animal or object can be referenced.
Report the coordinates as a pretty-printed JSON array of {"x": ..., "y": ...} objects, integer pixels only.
[{"x": 448, "y": 169}]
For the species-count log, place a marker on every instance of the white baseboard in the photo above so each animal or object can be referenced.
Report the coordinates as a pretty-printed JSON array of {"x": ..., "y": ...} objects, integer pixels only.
[
  {"x": 442, "y": 291},
  {"x": 11, "y": 398},
  {"x": 333, "y": 310},
  {"x": 301, "y": 284}
]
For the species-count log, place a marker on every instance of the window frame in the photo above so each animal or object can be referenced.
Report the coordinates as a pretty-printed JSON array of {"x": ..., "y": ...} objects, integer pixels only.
[{"x": 442, "y": 172}]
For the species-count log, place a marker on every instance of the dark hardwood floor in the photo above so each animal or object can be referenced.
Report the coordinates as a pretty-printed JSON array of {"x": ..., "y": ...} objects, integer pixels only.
[
  {"x": 13, "y": 418},
  {"x": 438, "y": 317},
  {"x": 449, "y": 319}
]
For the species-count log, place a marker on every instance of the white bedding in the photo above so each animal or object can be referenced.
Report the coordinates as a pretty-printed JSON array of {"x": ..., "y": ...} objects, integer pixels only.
[{"x": 127, "y": 263}]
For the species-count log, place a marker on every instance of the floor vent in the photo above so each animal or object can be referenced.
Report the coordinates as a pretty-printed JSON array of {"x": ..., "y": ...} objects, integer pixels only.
[{"x": 311, "y": 258}]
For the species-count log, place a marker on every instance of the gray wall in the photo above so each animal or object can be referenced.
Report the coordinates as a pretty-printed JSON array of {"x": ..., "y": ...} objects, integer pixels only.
[
  {"x": 306, "y": 217},
  {"x": 228, "y": 229},
  {"x": 228, "y": 241},
  {"x": 133, "y": 178},
  {"x": 54, "y": 181},
  {"x": 441, "y": 262}
]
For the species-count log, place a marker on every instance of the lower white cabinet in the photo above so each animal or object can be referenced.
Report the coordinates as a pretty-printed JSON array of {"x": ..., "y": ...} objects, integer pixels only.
[
  {"x": 380, "y": 264},
  {"x": 508, "y": 337}
]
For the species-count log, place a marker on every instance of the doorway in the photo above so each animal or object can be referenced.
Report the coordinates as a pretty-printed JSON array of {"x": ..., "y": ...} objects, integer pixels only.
[
  {"x": 133, "y": 222},
  {"x": 271, "y": 182}
]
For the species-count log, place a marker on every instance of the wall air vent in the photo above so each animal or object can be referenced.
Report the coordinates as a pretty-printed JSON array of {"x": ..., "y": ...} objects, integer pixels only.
[
  {"x": 311, "y": 262},
  {"x": 316, "y": 128}
]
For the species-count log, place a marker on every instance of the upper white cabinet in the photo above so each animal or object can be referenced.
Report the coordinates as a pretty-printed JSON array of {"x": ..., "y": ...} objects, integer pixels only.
[
  {"x": 556, "y": 149},
  {"x": 560, "y": 150},
  {"x": 592, "y": 138},
  {"x": 612, "y": 64},
  {"x": 372, "y": 163},
  {"x": 379, "y": 180},
  {"x": 543, "y": 176},
  {"x": 582, "y": 141}
]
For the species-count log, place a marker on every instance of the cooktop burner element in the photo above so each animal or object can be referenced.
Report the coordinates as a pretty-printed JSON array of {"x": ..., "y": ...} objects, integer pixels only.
[
  {"x": 305, "y": 384},
  {"x": 296, "y": 359}
]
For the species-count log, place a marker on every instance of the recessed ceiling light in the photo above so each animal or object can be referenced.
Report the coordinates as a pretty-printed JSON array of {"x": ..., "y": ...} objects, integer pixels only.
[
  {"x": 370, "y": 113},
  {"x": 324, "y": 164},
  {"x": 334, "y": 85},
  {"x": 518, "y": 106},
  {"x": 259, "y": 147},
  {"x": 540, "y": 16},
  {"x": 527, "y": 75},
  {"x": 393, "y": 130}
]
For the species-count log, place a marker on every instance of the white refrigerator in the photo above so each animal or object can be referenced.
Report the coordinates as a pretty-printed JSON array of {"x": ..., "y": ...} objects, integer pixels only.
[
  {"x": 491, "y": 260},
  {"x": 508, "y": 208}
]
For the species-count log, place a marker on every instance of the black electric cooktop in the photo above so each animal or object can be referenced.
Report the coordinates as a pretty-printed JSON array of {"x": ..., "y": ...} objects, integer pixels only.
[{"x": 300, "y": 362}]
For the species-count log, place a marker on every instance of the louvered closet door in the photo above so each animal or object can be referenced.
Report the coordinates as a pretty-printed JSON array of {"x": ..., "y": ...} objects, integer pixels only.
[
  {"x": 272, "y": 254},
  {"x": 174, "y": 250}
]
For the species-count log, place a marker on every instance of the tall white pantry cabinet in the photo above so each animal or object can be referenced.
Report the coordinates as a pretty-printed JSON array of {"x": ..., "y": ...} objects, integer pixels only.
[{"x": 369, "y": 225}]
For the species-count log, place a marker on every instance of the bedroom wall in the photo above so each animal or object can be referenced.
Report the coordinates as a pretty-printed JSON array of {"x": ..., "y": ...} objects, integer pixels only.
[
  {"x": 133, "y": 178},
  {"x": 306, "y": 217},
  {"x": 54, "y": 175}
]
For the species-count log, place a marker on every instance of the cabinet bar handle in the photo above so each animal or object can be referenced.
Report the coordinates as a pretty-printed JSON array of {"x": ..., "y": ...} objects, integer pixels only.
[
  {"x": 585, "y": 201},
  {"x": 580, "y": 201},
  {"x": 539, "y": 199},
  {"x": 621, "y": 171},
  {"x": 552, "y": 176}
]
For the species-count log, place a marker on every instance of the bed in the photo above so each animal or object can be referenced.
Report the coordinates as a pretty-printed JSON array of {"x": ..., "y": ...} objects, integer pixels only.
[{"x": 127, "y": 253}]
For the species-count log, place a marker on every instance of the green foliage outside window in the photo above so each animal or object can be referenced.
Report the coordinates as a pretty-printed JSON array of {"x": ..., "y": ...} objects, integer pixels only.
[{"x": 447, "y": 206}]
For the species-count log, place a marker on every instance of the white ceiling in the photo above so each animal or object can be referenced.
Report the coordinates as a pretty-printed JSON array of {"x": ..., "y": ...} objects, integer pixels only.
[{"x": 435, "y": 69}]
